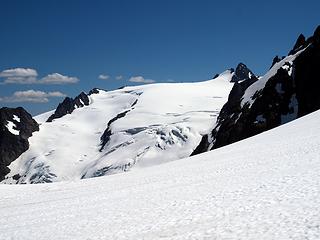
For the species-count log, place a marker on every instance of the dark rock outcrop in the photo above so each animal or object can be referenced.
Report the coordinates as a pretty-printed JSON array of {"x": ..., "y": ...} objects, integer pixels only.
[
  {"x": 69, "y": 105},
  {"x": 94, "y": 91},
  {"x": 15, "y": 141},
  {"x": 300, "y": 43},
  {"x": 275, "y": 60},
  {"x": 105, "y": 138},
  {"x": 216, "y": 75},
  {"x": 243, "y": 78},
  {"x": 307, "y": 77},
  {"x": 242, "y": 73},
  {"x": 291, "y": 93}
]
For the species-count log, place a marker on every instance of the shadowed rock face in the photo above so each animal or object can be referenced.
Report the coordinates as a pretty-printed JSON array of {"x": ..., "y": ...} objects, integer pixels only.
[
  {"x": 94, "y": 91},
  {"x": 243, "y": 78},
  {"x": 242, "y": 73},
  {"x": 69, "y": 104},
  {"x": 300, "y": 43},
  {"x": 291, "y": 93},
  {"x": 13, "y": 143},
  {"x": 307, "y": 76}
]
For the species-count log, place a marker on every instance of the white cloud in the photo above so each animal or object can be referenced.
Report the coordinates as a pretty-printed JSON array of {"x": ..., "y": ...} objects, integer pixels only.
[
  {"x": 31, "y": 96},
  {"x": 57, "y": 78},
  {"x": 19, "y": 72},
  {"x": 140, "y": 79},
  {"x": 103, "y": 77},
  {"x": 19, "y": 75},
  {"x": 56, "y": 94},
  {"x": 29, "y": 76},
  {"x": 119, "y": 77}
]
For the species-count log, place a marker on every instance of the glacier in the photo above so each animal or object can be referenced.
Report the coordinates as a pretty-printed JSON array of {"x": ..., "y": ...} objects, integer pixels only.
[{"x": 135, "y": 126}]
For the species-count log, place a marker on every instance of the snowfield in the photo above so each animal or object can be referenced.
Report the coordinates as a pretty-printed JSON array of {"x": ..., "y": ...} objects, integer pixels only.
[
  {"x": 264, "y": 187},
  {"x": 145, "y": 125}
]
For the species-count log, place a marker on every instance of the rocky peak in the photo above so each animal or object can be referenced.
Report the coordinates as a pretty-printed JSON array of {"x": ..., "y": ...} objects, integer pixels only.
[
  {"x": 69, "y": 105},
  {"x": 216, "y": 75},
  {"x": 22, "y": 120},
  {"x": 291, "y": 92},
  {"x": 300, "y": 43},
  {"x": 275, "y": 60},
  {"x": 81, "y": 100},
  {"x": 242, "y": 72},
  {"x": 94, "y": 91},
  {"x": 16, "y": 126},
  {"x": 316, "y": 35}
]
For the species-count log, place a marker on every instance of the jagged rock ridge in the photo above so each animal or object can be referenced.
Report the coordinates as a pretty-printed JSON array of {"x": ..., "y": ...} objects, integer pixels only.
[
  {"x": 291, "y": 92},
  {"x": 69, "y": 104}
]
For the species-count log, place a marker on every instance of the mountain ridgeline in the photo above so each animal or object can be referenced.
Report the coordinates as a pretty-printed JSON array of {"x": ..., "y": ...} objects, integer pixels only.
[
  {"x": 288, "y": 91},
  {"x": 151, "y": 124},
  {"x": 69, "y": 105}
]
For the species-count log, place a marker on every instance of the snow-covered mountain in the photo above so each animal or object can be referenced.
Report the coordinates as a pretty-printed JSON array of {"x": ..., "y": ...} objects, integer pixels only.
[
  {"x": 102, "y": 133},
  {"x": 265, "y": 187},
  {"x": 106, "y": 132}
]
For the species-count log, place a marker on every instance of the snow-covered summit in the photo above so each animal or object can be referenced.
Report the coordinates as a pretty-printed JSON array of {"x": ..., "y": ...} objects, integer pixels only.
[
  {"x": 114, "y": 131},
  {"x": 102, "y": 132}
]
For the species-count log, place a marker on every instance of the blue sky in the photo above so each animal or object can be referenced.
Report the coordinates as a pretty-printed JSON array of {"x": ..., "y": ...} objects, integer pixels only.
[{"x": 61, "y": 47}]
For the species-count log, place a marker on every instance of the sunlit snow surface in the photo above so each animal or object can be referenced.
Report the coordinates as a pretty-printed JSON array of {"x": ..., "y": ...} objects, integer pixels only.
[
  {"x": 161, "y": 123},
  {"x": 264, "y": 187}
]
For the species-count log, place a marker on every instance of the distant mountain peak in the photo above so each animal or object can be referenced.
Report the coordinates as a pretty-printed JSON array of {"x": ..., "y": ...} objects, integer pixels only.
[
  {"x": 316, "y": 34},
  {"x": 242, "y": 72},
  {"x": 300, "y": 43},
  {"x": 68, "y": 105}
]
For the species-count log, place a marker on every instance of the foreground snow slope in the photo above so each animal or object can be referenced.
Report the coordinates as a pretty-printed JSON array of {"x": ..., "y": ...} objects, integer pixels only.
[
  {"x": 142, "y": 125},
  {"x": 264, "y": 187}
]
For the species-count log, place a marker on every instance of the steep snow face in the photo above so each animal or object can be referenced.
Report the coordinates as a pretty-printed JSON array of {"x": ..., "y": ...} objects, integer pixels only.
[
  {"x": 41, "y": 118},
  {"x": 135, "y": 126},
  {"x": 285, "y": 63},
  {"x": 265, "y": 187}
]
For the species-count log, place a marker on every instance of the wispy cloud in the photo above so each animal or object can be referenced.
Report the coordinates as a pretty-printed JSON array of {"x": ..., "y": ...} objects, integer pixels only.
[
  {"x": 30, "y": 76},
  {"x": 19, "y": 75},
  {"x": 57, "y": 78},
  {"x": 119, "y": 77},
  {"x": 103, "y": 76},
  {"x": 140, "y": 79},
  {"x": 31, "y": 96}
]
